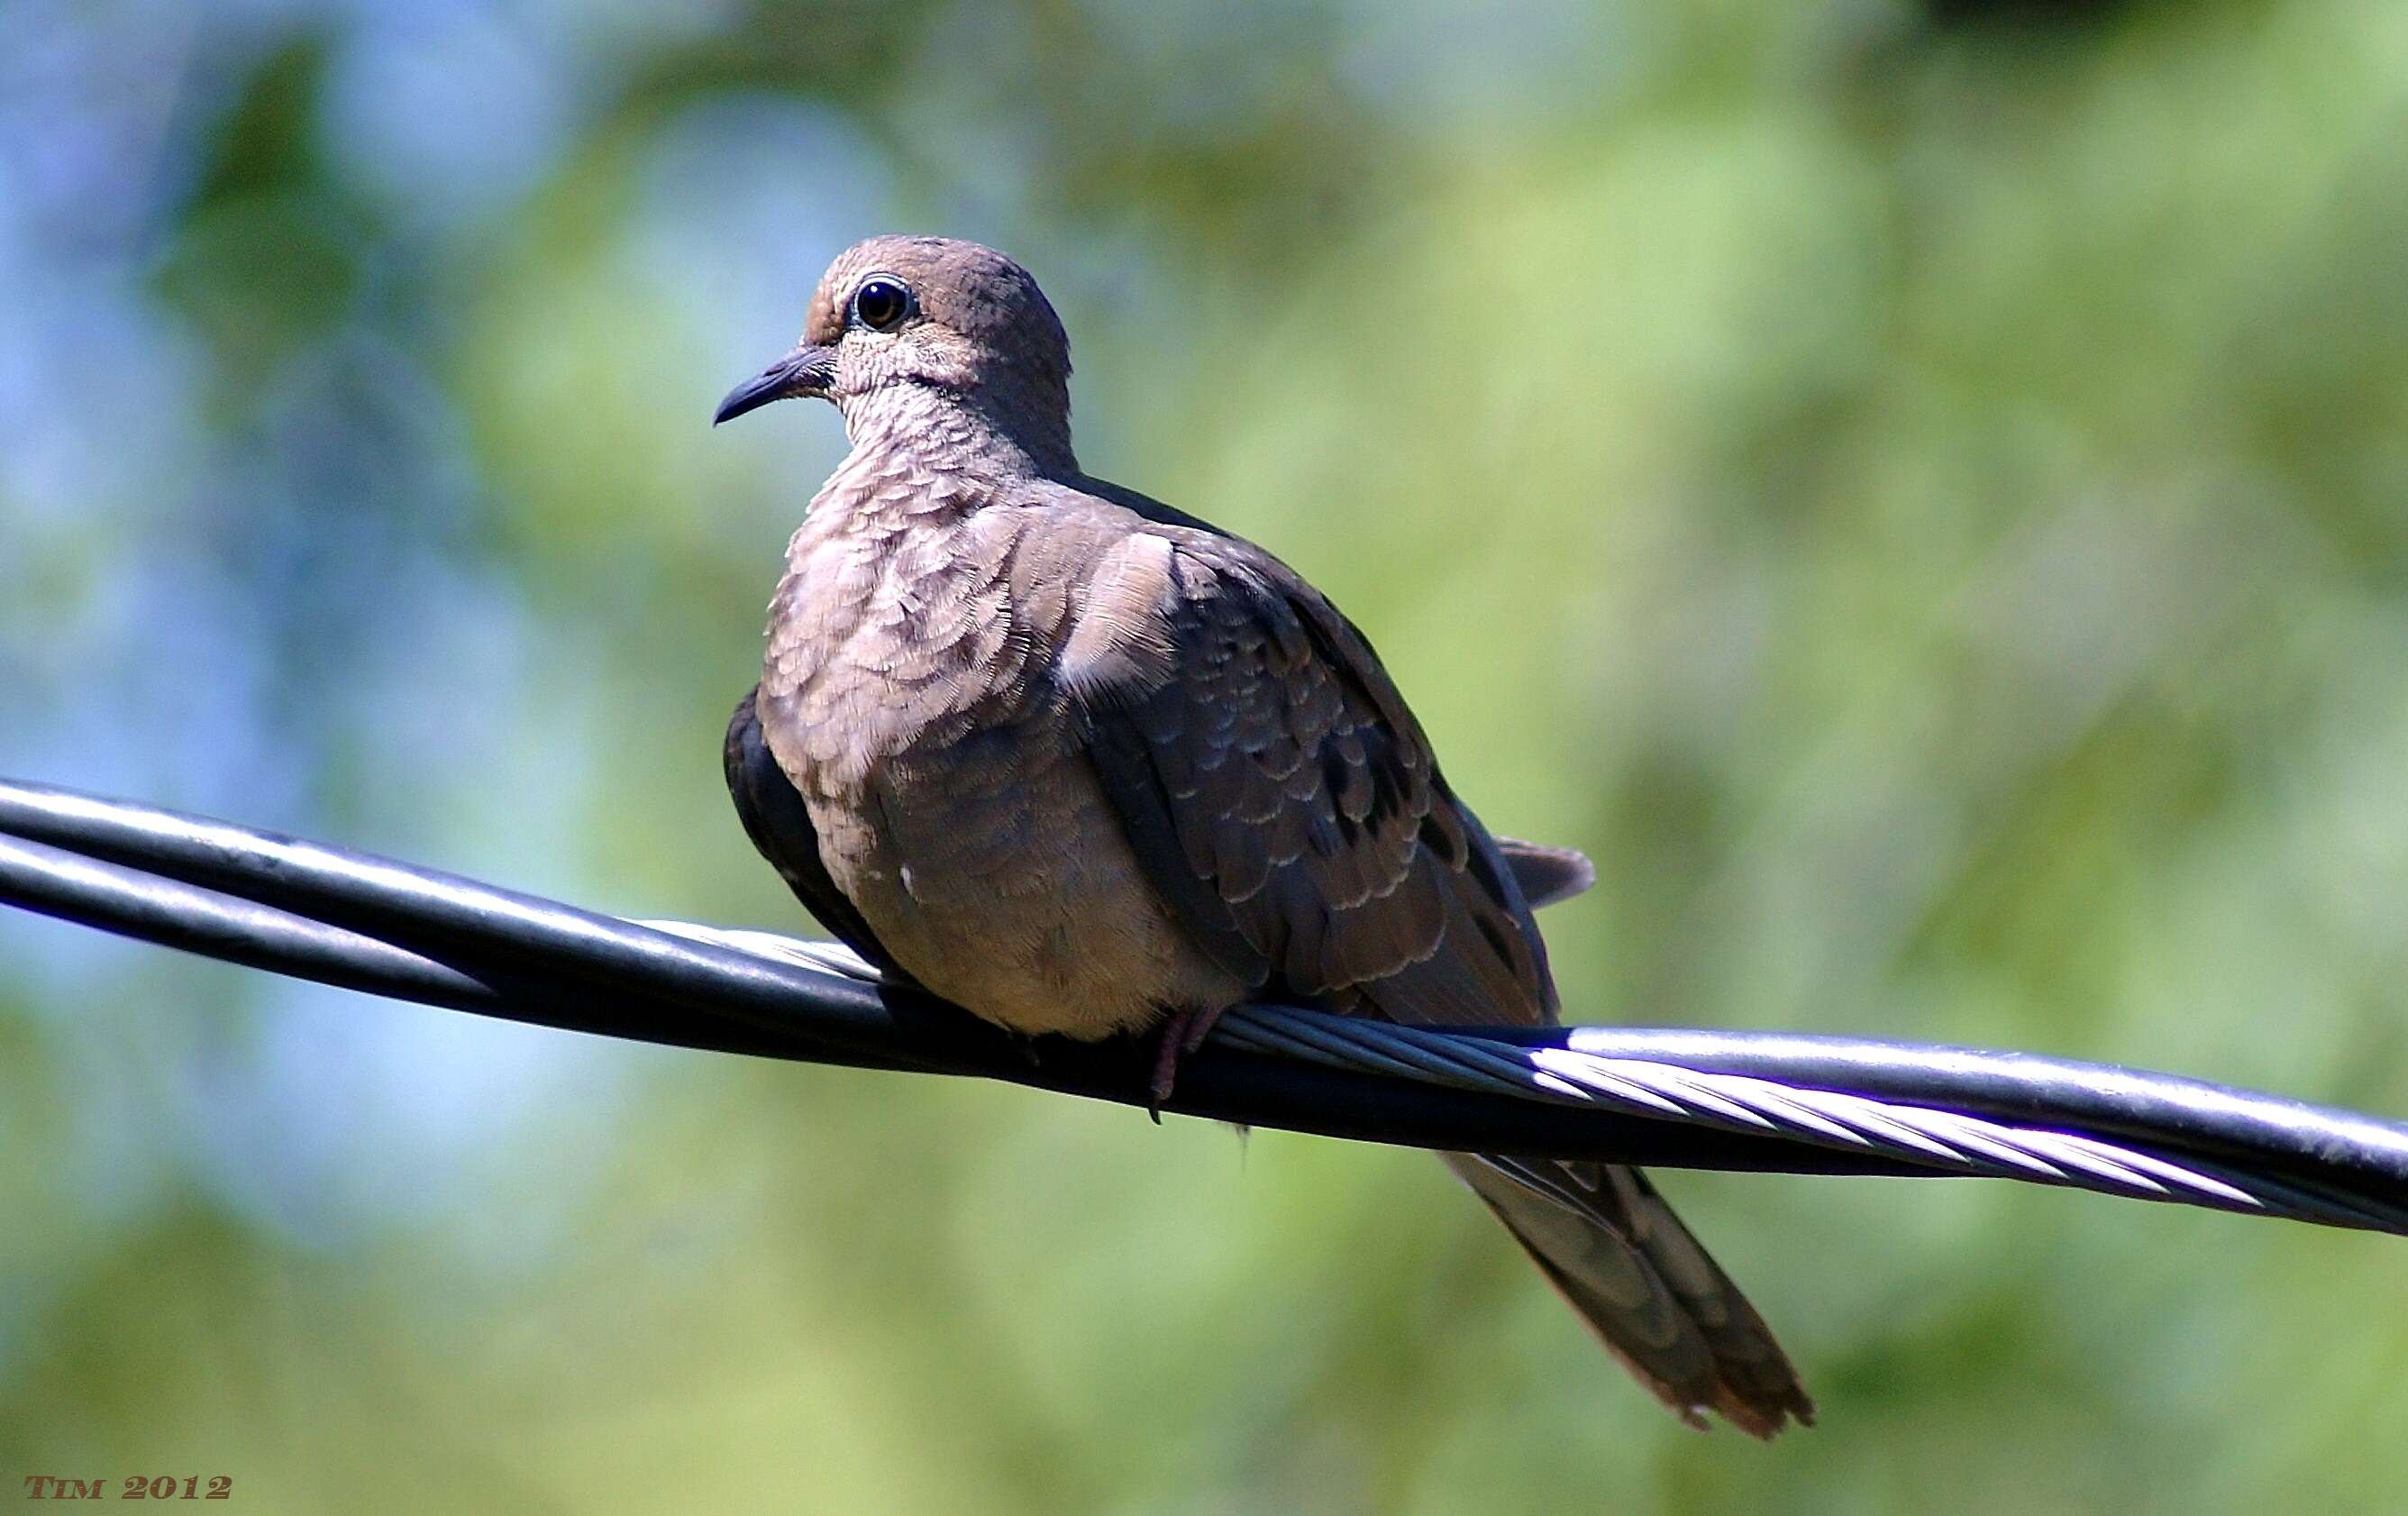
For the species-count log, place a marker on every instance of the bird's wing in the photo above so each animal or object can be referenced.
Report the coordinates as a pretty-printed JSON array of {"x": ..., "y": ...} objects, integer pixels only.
[
  {"x": 1282, "y": 797},
  {"x": 1285, "y": 804},
  {"x": 780, "y": 826}
]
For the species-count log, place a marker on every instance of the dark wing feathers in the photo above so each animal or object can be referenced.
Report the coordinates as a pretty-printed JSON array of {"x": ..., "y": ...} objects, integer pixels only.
[
  {"x": 1148, "y": 806},
  {"x": 780, "y": 828},
  {"x": 1286, "y": 804}
]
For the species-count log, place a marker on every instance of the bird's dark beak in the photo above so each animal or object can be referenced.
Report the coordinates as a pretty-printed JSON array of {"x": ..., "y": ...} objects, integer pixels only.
[{"x": 806, "y": 371}]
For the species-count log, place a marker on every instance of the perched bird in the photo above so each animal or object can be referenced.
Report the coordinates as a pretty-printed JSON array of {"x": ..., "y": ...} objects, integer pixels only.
[{"x": 1083, "y": 764}]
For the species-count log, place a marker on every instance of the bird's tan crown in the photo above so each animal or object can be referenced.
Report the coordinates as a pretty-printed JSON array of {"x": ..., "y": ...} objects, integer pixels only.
[{"x": 971, "y": 291}]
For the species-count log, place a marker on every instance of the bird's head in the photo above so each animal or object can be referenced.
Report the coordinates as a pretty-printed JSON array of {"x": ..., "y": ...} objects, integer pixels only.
[{"x": 895, "y": 315}]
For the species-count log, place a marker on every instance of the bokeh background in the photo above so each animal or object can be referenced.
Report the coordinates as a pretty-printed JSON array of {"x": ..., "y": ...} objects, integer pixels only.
[{"x": 1919, "y": 490}]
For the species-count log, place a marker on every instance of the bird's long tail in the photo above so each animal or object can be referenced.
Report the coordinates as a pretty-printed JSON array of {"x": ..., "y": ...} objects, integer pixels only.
[{"x": 1615, "y": 1250}]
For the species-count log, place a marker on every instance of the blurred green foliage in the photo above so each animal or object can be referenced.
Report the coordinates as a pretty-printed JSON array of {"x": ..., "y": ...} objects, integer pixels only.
[{"x": 1917, "y": 493}]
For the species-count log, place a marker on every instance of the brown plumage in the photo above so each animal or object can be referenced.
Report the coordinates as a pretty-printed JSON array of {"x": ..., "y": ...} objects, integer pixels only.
[{"x": 1083, "y": 764}]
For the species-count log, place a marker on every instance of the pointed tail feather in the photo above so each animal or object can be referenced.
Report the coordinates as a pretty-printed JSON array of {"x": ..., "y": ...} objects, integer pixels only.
[
  {"x": 1615, "y": 1250},
  {"x": 1546, "y": 875}
]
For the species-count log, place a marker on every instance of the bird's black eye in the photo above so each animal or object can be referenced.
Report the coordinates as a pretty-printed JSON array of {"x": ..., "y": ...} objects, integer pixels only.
[{"x": 881, "y": 303}]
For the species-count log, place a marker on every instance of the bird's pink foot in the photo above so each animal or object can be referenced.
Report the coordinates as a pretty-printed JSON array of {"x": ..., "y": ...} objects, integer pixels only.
[{"x": 1181, "y": 1035}]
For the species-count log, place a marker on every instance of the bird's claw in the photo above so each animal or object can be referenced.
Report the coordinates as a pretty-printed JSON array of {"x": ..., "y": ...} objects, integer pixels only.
[{"x": 1181, "y": 1035}]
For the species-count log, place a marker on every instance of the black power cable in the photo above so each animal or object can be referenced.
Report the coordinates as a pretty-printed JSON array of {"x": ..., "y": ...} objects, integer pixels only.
[{"x": 1772, "y": 1102}]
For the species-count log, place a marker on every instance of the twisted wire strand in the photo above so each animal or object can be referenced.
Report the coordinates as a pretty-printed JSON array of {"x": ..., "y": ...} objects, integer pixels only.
[
  {"x": 1954, "y": 1142},
  {"x": 1762, "y": 1101}
]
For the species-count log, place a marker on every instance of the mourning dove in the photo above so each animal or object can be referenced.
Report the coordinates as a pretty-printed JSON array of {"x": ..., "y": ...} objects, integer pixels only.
[{"x": 1084, "y": 765}]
